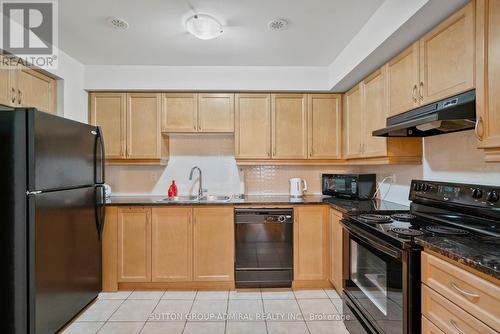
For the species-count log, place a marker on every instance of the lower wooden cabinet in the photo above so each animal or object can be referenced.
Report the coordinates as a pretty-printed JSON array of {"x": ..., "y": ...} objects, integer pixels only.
[
  {"x": 310, "y": 243},
  {"x": 336, "y": 250},
  {"x": 213, "y": 244},
  {"x": 134, "y": 244}
]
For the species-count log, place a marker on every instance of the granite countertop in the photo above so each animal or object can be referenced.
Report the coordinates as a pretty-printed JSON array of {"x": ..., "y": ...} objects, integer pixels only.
[
  {"x": 478, "y": 252},
  {"x": 343, "y": 205}
]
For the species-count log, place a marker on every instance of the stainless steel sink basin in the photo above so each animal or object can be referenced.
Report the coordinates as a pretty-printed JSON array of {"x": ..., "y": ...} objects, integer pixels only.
[
  {"x": 180, "y": 199},
  {"x": 215, "y": 198}
]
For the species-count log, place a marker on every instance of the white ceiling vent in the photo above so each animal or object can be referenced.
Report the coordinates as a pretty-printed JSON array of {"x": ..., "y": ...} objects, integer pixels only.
[
  {"x": 117, "y": 23},
  {"x": 277, "y": 24}
]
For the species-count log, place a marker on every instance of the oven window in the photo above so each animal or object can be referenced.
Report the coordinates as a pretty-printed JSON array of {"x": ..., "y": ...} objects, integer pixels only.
[{"x": 369, "y": 273}]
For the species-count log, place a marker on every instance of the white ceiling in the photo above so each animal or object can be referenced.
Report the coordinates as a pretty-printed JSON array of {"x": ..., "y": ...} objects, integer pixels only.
[{"x": 318, "y": 31}]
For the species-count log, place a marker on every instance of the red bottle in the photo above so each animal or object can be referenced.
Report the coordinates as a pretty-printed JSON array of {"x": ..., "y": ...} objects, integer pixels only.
[{"x": 172, "y": 190}]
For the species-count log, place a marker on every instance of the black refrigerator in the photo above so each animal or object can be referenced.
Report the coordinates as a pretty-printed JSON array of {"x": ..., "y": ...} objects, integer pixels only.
[{"x": 52, "y": 206}]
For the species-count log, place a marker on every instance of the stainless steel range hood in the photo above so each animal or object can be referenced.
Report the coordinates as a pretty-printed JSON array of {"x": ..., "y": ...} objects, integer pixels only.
[{"x": 457, "y": 113}]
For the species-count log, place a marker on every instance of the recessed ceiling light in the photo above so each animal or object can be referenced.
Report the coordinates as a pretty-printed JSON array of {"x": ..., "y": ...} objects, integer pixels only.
[
  {"x": 117, "y": 23},
  {"x": 277, "y": 24},
  {"x": 204, "y": 26}
]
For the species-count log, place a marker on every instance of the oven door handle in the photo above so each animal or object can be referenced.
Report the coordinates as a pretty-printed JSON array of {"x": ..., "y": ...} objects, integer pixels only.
[{"x": 365, "y": 237}]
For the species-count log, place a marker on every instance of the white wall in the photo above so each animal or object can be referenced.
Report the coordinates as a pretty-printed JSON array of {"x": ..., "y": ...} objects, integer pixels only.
[{"x": 452, "y": 157}]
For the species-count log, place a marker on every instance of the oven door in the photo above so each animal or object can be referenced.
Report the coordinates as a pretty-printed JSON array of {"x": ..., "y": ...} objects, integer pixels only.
[{"x": 375, "y": 282}]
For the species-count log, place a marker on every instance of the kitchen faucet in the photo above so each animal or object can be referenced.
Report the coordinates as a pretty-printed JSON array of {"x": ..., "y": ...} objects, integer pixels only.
[{"x": 200, "y": 190}]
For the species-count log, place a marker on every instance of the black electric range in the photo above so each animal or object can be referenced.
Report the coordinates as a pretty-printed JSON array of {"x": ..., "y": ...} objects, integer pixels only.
[{"x": 382, "y": 288}]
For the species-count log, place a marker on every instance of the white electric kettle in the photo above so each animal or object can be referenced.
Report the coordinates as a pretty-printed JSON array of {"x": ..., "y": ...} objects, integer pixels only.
[{"x": 296, "y": 188}]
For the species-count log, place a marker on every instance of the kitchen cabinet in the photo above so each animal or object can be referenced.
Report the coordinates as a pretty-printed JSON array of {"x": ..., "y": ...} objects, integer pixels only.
[
  {"x": 252, "y": 126},
  {"x": 171, "y": 244},
  {"x": 324, "y": 126},
  {"x": 289, "y": 127},
  {"x": 353, "y": 124},
  {"x": 447, "y": 57},
  {"x": 180, "y": 112},
  {"x": 402, "y": 80},
  {"x": 336, "y": 250},
  {"x": 213, "y": 244},
  {"x": 24, "y": 87},
  {"x": 311, "y": 243},
  {"x": 134, "y": 244},
  {"x": 440, "y": 64},
  {"x": 488, "y": 80},
  {"x": 198, "y": 112},
  {"x": 131, "y": 127}
]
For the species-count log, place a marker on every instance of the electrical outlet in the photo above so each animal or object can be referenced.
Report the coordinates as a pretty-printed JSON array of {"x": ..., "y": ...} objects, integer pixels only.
[{"x": 391, "y": 178}]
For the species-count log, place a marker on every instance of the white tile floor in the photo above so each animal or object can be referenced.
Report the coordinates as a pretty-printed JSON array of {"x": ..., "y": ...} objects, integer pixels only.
[{"x": 213, "y": 312}]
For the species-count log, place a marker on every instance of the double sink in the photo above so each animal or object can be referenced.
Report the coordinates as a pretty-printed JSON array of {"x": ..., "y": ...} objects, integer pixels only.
[{"x": 196, "y": 199}]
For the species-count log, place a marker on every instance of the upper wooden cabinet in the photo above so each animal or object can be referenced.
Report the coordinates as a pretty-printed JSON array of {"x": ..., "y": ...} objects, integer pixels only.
[
  {"x": 198, "y": 112},
  {"x": 213, "y": 244},
  {"x": 252, "y": 126},
  {"x": 353, "y": 122},
  {"x": 488, "y": 78},
  {"x": 402, "y": 80},
  {"x": 134, "y": 244},
  {"x": 310, "y": 243},
  {"x": 24, "y": 87},
  {"x": 289, "y": 126},
  {"x": 374, "y": 114},
  {"x": 324, "y": 126},
  {"x": 438, "y": 65},
  {"x": 180, "y": 112},
  {"x": 131, "y": 126}
]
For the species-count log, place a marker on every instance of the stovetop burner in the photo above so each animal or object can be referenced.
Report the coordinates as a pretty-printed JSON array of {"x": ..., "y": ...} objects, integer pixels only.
[
  {"x": 406, "y": 232},
  {"x": 444, "y": 230},
  {"x": 375, "y": 218},
  {"x": 404, "y": 217}
]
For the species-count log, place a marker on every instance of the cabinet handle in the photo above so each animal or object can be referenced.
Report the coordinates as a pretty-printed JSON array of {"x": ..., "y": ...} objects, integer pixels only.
[
  {"x": 274, "y": 152},
  {"x": 19, "y": 96},
  {"x": 268, "y": 152},
  {"x": 479, "y": 121},
  {"x": 13, "y": 95},
  {"x": 421, "y": 90},
  {"x": 463, "y": 292},
  {"x": 454, "y": 324},
  {"x": 414, "y": 93}
]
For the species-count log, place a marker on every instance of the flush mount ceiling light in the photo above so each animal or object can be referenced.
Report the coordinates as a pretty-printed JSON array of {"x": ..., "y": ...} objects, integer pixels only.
[
  {"x": 277, "y": 24},
  {"x": 117, "y": 23},
  {"x": 204, "y": 26}
]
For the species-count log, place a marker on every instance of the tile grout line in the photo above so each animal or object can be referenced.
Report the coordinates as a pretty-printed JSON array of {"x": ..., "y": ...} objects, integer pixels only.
[
  {"x": 301, "y": 312},
  {"x": 123, "y": 301},
  {"x": 154, "y": 308},
  {"x": 190, "y": 309}
]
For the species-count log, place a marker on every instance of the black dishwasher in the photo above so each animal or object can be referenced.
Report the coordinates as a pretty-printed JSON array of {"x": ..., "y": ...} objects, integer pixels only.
[{"x": 264, "y": 248}]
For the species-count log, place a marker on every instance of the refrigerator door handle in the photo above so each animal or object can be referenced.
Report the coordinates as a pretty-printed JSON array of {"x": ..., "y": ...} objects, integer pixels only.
[
  {"x": 100, "y": 210},
  {"x": 99, "y": 139}
]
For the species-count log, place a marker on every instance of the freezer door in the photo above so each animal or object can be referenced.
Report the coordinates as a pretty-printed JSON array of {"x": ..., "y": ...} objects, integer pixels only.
[
  {"x": 67, "y": 253},
  {"x": 62, "y": 153}
]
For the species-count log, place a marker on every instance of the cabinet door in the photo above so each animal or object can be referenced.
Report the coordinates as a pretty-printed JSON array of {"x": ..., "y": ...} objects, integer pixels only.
[
  {"x": 336, "y": 250},
  {"x": 374, "y": 114},
  {"x": 402, "y": 80},
  {"x": 7, "y": 89},
  {"x": 324, "y": 126},
  {"x": 108, "y": 110},
  {"x": 310, "y": 243},
  {"x": 353, "y": 123},
  {"x": 447, "y": 57},
  {"x": 253, "y": 126},
  {"x": 215, "y": 112},
  {"x": 179, "y": 112},
  {"x": 171, "y": 245},
  {"x": 213, "y": 244},
  {"x": 488, "y": 80},
  {"x": 36, "y": 90},
  {"x": 289, "y": 130},
  {"x": 134, "y": 244},
  {"x": 143, "y": 126}
]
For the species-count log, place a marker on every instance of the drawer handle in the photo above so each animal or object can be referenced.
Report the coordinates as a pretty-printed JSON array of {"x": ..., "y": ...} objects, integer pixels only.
[
  {"x": 454, "y": 324},
  {"x": 479, "y": 122},
  {"x": 463, "y": 292}
]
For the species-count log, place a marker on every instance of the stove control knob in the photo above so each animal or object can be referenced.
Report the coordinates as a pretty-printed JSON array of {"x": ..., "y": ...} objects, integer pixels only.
[
  {"x": 493, "y": 197},
  {"x": 477, "y": 193},
  {"x": 425, "y": 187}
]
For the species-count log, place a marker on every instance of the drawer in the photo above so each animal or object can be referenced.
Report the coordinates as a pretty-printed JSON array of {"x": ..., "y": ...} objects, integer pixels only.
[
  {"x": 449, "y": 317},
  {"x": 429, "y": 328},
  {"x": 474, "y": 294}
]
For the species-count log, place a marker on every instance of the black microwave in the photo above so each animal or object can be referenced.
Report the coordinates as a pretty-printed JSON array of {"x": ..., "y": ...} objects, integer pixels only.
[{"x": 353, "y": 186}]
